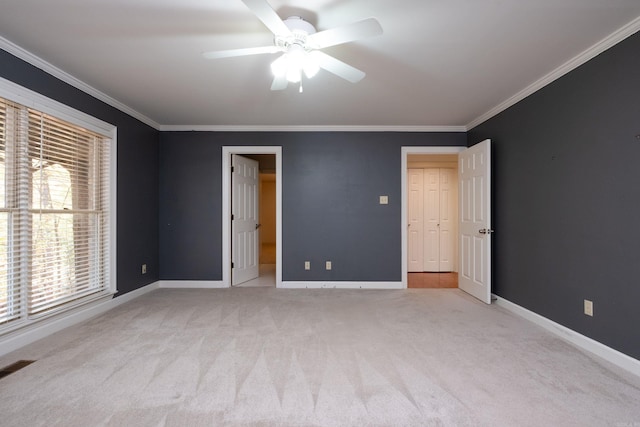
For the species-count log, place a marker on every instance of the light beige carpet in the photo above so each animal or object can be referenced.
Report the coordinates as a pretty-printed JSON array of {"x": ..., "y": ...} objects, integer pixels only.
[{"x": 270, "y": 357}]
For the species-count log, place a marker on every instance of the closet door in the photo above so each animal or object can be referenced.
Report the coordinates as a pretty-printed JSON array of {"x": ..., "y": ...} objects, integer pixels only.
[
  {"x": 415, "y": 232},
  {"x": 431, "y": 220},
  {"x": 448, "y": 219}
]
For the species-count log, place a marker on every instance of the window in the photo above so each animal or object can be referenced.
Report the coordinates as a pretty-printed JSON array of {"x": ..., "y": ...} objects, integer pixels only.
[{"x": 55, "y": 216}]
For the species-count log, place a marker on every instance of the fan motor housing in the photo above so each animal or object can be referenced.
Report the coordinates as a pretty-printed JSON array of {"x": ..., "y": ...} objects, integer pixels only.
[{"x": 300, "y": 30}]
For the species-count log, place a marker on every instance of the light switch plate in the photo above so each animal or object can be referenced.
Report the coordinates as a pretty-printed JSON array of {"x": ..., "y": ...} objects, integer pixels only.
[
  {"x": 588, "y": 307},
  {"x": 384, "y": 200}
]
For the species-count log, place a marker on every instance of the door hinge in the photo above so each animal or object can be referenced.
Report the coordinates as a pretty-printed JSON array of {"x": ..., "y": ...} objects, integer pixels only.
[
  {"x": 232, "y": 169},
  {"x": 232, "y": 217},
  {"x": 231, "y": 265}
]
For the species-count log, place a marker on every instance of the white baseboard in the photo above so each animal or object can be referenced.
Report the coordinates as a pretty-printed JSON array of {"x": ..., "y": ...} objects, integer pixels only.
[
  {"x": 609, "y": 354},
  {"x": 24, "y": 336},
  {"x": 192, "y": 284},
  {"x": 219, "y": 284},
  {"x": 341, "y": 285}
]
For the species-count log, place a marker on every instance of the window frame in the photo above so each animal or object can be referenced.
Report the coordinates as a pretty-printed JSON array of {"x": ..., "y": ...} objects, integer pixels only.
[{"x": 30, "y": 99}]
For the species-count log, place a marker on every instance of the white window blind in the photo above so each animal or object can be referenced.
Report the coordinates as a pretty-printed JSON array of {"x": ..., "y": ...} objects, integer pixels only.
[
  {"x": 54, "y": 213},
  {"x": 10, "y": 262}
]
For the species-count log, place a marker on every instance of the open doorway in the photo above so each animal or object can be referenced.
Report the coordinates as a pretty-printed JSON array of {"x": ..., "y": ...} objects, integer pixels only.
[
  {"x": 430, "y": 217},
  {"x": 432, "y": 221},
  {"x": 474, "y": 215},
  {"x": 261, "y": 244}
]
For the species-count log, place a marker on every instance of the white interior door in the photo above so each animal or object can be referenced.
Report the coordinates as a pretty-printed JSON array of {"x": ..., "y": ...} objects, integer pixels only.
[
  {"x": 244, "y": 219},
  {"x": 447, "y": 220},
  {"x": 475, "y": 221},
  {"x": 432, "y": 220},
  {"x": 415, "y": 233},
  {"x": 440, "y": 217}
]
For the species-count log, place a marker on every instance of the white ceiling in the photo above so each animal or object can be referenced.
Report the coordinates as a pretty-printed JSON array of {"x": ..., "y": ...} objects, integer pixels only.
[{"x": 439, "y": 63}]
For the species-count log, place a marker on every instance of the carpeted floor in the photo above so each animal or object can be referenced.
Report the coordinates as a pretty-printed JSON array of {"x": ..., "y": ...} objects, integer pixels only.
[{"x": 273, "y": 357}]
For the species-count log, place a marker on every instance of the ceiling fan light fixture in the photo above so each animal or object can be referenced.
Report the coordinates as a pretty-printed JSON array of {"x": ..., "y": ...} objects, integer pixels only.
[
  {"x": 311, "y": 69},
  {"x": 287, "y": 66},
  {"x": 294, "y": 75},
  {"x": 293, "y": 63},
  {"x": 311, "y": 66},
  {"x": 279, "y": 66}
]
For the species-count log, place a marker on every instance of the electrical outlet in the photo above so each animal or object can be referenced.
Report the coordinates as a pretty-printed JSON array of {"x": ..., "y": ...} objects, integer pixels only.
[
  {"x": 328, "y": 265},
  {"x": 588, "y": 307},
  {"x": 307, "y": 265},
  {"x": 144, "y": 268}
]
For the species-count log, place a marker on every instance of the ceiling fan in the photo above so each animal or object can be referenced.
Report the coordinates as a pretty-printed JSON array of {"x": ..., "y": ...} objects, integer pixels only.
[{"x": 300, "y": 46}]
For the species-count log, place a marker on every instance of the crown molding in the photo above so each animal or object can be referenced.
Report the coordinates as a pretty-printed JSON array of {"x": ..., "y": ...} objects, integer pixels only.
[
  {"x": 45, "y": 66},
  {"x": 240, "y": 128},
  {"x": 611, "y": 40}
]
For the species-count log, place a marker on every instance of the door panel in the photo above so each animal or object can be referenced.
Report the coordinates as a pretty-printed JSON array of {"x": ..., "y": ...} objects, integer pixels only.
[
  {"x": 432, "y": 220},
  {"x": 245, "y": 215},
  {"x": 415, "y": 233},
  {"x": 475, "y": 227},
  {"x": 447, "y": 226}
]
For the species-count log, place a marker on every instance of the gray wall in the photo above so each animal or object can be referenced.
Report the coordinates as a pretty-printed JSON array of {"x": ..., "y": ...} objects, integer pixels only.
[
  {"x": 331, "y": 184},
  {"x": 567, "y": 198},
  {"x": 137, "y": 203}
]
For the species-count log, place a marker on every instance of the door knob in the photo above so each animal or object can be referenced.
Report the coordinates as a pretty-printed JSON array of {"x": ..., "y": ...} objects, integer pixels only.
[
  {"x": 258, "y": 226},
  {"x": 486, "y": 231}
]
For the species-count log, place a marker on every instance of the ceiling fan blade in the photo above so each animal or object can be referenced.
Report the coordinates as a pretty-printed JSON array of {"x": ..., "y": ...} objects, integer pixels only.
[
  {"x": 279, "y": 82},
  {"x": 268, "y": 16},
  {"x": 338, "y": 67},
  {"x": 217, "y": 54},
  {"x": 358, "y": 30}
]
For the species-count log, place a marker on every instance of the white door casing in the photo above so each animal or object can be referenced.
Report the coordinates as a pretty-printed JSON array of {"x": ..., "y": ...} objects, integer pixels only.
[
  {"x": 415, "y": 220},
  {"x": 475, "y": 221},
  {"x": 245, "y": 219}
]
